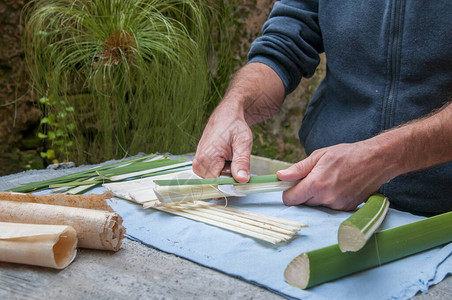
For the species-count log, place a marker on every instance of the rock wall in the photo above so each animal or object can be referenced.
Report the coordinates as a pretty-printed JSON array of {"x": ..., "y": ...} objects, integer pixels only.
[{"x": 19, "y": 115}]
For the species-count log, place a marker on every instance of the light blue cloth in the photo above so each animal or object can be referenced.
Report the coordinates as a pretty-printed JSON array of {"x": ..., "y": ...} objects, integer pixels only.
[{"x": 263, "y": 264}]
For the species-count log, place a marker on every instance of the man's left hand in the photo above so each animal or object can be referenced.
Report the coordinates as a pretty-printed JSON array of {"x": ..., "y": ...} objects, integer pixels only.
[{"x": 339, "y": 177}]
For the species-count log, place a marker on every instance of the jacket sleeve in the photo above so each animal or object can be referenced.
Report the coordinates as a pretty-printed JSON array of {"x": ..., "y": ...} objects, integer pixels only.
[{"x": 291, "y": 41}]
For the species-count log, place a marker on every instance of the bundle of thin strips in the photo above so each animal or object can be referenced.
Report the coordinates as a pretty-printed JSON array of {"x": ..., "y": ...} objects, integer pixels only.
[
  {"x": 258, "y": 226},
  {"x": 270, "y": 229}
]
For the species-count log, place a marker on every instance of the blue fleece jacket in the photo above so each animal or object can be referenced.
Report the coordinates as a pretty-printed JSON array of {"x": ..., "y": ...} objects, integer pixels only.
[{"x": 388, "y": 62}]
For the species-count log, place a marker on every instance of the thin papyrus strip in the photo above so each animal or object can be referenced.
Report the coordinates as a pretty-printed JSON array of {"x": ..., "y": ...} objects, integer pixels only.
[
  {"x": 96, "y": 229},
  {"x": 90, "y": 201},
  {"x": 52, "y": 246}
]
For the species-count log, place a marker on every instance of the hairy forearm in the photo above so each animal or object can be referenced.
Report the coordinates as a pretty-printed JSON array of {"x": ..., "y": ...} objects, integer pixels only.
[
  {"x": 418, "y": 144},
  {"x": 344, "y": 175},
  {"x": 257, "y": 91}
]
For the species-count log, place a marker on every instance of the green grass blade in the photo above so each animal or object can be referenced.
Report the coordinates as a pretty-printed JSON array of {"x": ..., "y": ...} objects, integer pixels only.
[
  {"x": 79, "y": 176},
  {"x": 74, "y": 183},
  {"x": 141, "y": 166}
]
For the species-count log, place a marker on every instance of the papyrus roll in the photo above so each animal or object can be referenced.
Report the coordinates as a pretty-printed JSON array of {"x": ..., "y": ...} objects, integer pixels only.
[
  {"x": 96, "y": 229},
  {"x": 91, "y": 201},
  {"x": 51, "y": 246}
]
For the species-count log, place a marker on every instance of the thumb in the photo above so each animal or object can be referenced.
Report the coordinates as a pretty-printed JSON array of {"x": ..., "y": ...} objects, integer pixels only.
[
  {"x": 240, "y": 165},
  {"x": 297, "y": 171}
]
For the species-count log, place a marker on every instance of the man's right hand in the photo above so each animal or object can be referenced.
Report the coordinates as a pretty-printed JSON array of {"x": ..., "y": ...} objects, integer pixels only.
[
  {"x": 254, "y": 95},
  {"x": 227, "y": 137}
]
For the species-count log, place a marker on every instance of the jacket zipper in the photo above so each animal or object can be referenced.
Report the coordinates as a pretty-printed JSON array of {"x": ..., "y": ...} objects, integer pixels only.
[{"x": 394, "y": 69}]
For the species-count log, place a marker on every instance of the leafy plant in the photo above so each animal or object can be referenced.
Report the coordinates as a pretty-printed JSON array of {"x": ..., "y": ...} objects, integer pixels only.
[
  {"x": 56, "y": 131},
  {"x": 139, "y": 74}
]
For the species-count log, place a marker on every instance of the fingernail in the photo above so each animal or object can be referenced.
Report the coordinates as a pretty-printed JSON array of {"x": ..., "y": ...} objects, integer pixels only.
[
  {"x": 283, "y": 172},
  {"x": 242, "y": 173}
]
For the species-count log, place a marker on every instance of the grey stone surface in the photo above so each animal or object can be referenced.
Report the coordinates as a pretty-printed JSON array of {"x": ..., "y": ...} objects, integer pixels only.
[{"x": 134, "y": 272}]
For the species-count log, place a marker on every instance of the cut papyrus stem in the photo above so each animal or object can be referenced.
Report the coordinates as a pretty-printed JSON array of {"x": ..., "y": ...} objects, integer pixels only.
[
  {"x": 354, "y": 232},
  {"x": 329, "y": 263},
  {"x": 50, "y": 246},
  {"x": 96, "y": 229},
  {"x": 89, "y": 201}
]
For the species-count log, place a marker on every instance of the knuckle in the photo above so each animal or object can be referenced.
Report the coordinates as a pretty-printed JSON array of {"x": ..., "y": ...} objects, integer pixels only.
[
  {"x": 299, "y": 166},
  {"x": 241, "y": 159},
  {"x": 317, "y": 187},
  {"x": 298, "y": 194},
  {"x": 243, "y": 140},
  {"x": 339, "y": 206},
  {"x": 199, "y": 162},
  {"x": 198, "y": 169},
  {"x": 331, "y": 202},
  {"x": 217, "y": 162},
  {"x": 317, "y": 152},
  {"x": 289, "y": 198}
]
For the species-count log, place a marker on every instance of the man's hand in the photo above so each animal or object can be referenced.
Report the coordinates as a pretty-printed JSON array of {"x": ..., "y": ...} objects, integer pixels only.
[
  {"x": 344, "y": 175},
  {"x": 340, "y": 177},
  {"x": 254, "y": 95},
  {"x": 227, "y": 137}
]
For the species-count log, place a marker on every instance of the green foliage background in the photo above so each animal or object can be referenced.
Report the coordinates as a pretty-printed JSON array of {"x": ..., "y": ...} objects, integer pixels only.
[{"x": 125, "y": 76}]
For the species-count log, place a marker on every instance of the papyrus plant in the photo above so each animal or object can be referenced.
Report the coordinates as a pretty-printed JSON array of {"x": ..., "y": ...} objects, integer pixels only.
[{"x": 136, "y": 72}]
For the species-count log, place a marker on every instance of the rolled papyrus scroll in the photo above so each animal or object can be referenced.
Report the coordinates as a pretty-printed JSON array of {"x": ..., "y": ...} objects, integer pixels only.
[
  {"x": 52, "y": 246},
  {"x": 91, "y": 201},
  {"x": 96, "y": 229}
]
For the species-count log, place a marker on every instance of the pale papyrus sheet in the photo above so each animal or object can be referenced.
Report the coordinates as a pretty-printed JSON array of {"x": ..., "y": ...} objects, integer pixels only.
[{"x": 52, "y": 246}]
